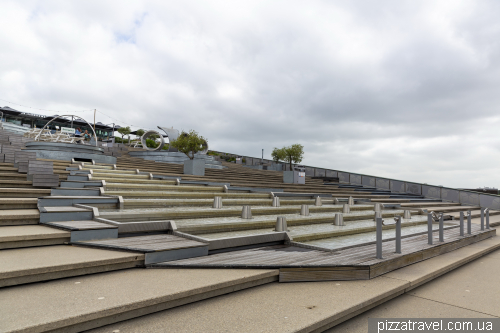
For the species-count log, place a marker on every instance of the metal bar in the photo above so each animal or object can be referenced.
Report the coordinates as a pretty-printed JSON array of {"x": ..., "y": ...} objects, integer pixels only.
[
  {"x": 398, "y": 234},
  {"x": 469, "y": 223},
  {"x": 429, "y": 229},
  {"x": 441, "y": 228},
  {"x": 379, "y": 238},
  {"x": 482, "y": 218},
  {"x": 461, "y": 223},
  {"x": 487, "y": 218}
]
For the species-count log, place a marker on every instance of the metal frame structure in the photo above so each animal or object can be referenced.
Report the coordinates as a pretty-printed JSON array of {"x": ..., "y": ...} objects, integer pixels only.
[{"x": 67, "y": 115}]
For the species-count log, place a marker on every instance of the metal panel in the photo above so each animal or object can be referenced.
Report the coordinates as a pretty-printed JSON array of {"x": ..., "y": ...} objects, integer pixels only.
[
  {"x": 449, "y": 194},
  {"x": 469, "y": 198},
  {"x": 368, "y": 181},
  {"x": 331, "y": 173},
  {"x": 86, "y": 235},
  {"x": 431, "y": 191},
  {"x": 161, "y": 256},
  {"x": 309, "y": 171},
  {"x": 355, "y": 179},
  {"x": 319, "y": 172},
  {"x": 490, "y": 201},
  {"x": 249, "y": 161},
  {"x": 414, "y": 188},
  {"x": 343, "y": 177},
  {"x": 223, "y": 243},
  {"x": 398, "y": 186},
  {"x": 383, "y": 183}
]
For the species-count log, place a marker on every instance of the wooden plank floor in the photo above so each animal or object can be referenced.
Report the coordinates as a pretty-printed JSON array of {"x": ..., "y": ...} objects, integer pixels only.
[
  {"x": 301, "y": 264},
  {"x": 145, "y": 244},
  {"x": 80, "y": 225}
]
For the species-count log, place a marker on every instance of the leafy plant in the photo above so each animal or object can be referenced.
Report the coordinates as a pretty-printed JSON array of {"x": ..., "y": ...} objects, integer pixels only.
[
  {"x": 124, "y": 131},
  {"x": 290, "y": 154},
  {"x": 139, "y": 132},
  {"x": 189, "y": 143}
]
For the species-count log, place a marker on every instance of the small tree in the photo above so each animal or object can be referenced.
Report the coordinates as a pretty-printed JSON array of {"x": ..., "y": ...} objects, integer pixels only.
[
  {"x": 291, "y": 154},
  {"x": 189, "y": 143},
  {"x": 124, "y": 131},
  {"x": 139, "y": 132}
]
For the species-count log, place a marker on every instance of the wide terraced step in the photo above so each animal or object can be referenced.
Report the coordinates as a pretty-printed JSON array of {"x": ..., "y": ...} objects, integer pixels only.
[
  {"x": 302, "y": 307},
  {"x": 85, "y": 302},
  {"x": 185, "y": 194},
  {"x": 64, "y": 213},
  {"x": 27, "y": 265},
  {"x": 19, "y": 217},
  {"x": 86, "y": 230},
  {"x": 18, "y": 203},
  {"x": 23, "y": 192},
  {"x": 30, "y": 236}
]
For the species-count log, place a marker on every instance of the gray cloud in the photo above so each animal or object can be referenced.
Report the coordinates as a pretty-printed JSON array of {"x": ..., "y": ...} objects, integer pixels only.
[{"x": 401, "y": 89}]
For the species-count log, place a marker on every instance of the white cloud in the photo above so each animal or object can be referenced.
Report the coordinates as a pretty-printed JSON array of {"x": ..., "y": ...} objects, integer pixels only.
[{"x": 401, "y": 89}]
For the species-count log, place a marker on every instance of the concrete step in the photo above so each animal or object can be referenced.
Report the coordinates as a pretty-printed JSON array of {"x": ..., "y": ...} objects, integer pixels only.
[
  {"x": 149, "y": 203},
  {"x": 185, "y": 194},
  {"x": 30, "y": 236},
  {"x": 16, "y": 183},
  {"x": 301, "y": 307},
  {"x": 27, "y": 265},
  {"x": 135, "y": 181},
  {"x": 176, "y": 213},
  {"x": 10, "y": 217},
  {"x": 90, "y": 301},
  {"x": 23, "y": 192},
  {"x": 12, "y": 176},
  {"x": 18, "y": 203},
  {"x": 159, "y": 186}
]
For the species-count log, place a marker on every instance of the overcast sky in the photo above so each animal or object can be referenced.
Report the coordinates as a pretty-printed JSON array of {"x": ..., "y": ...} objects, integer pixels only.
[{"x": 401, "y": 89}]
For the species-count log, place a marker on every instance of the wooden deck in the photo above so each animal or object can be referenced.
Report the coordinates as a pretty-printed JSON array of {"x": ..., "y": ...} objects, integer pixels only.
[
  {"x": 356, "y": 263},
  {"x": 145, "y": 244}
]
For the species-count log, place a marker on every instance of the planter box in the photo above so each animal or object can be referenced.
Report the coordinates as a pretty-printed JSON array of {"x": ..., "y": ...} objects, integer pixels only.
[{"x": 194, "y": 167}]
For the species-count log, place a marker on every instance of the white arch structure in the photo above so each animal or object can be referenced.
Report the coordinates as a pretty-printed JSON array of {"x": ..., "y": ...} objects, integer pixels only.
[{"x": 67, "y": 115}]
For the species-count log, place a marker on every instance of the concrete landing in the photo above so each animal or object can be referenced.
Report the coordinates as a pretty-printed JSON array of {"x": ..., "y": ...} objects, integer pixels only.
[
  {"x": 31, "y": 235},
  {"x": 28, "y": 265},
  {"x": 81, "y": 303},
  {"x": 302, "y": 307}
]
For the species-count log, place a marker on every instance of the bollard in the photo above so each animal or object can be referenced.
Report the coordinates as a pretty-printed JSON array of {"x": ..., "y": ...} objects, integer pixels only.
[
  {"x": 469, "y": 222},
  {"x": 350, "y": 201},
  {"x": 429, "y": 229},
  {"x": 339, "y": 219},
  {"x": 217, "y": 202},
  {"x": 284, "y": 224},
  {"x": 461, "y": 223},
  {"x": 377, "y": 207},
  {"x": 336, "y": 201},
  {"x": 398, "y": 234},
  {"x": 318, "y": 202},
  {"x": 276, "y": 202},
  {"x": 304, "y": 210},
  {"x": 281, "y": 224},
  {"x": 346, "y": 208},
  {"x": 482, "y": 218},
  {"x": 379, "y": 238},
  {"x": 407, "y": 214},
  {"x": 487, "y": 211},
  {"x": 177, "y": 181},
  {"x": 441, "y": 228},
  {"x": 246, "y": 212}
]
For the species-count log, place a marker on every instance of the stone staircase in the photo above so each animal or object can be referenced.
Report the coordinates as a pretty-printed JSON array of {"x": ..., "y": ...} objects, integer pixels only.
[{"x": 89, "y": 240}]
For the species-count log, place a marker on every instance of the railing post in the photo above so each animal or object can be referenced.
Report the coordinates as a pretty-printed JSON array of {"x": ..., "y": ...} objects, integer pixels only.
[
  {"x": 379, "y": 238},
  {"x": 487, "y": 210},
  {"x": 429, "y": 228},
  {"x": 441, "y": 228},
  {"x": 461, "y": 223},
  {"x": 482, "y": 218},
  {"x": 469, "y": 222},
  {"x": 398, "y": 234}
]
